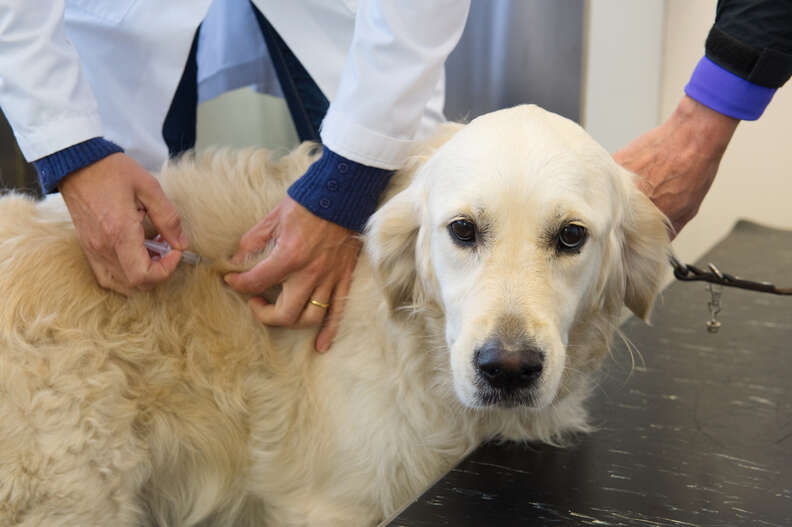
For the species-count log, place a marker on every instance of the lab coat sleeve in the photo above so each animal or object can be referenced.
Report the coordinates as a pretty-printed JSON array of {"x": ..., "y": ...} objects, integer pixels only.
[
  {"x": 44, "y": 93},
  {"x": 396, "y": 59}
]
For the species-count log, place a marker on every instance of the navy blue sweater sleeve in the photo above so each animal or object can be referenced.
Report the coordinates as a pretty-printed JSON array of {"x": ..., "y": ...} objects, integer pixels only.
[
  {"x": 340, "y": 190},
  {"x": 54, "y": 167}
]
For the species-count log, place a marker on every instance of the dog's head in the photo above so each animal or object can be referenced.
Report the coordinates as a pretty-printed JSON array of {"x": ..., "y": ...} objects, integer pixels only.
[{"x": 526, "y": 238}]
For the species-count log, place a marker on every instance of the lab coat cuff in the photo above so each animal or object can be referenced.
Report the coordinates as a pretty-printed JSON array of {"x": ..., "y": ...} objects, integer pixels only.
[
  {"x": 363, "y": 145},
  {"x": 340, "y": 190},
  {"x": 57, "y": 134},
  {"x": 54, "y": 167}
]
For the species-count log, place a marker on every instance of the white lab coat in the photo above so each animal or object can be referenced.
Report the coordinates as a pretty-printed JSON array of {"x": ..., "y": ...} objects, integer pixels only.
[{"x": 78, "y": 69}]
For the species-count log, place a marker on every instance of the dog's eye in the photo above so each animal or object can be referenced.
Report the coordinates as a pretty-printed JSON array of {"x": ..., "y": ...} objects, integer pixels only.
[
  {"x": 463, "y": 231},
  {"x": 571, "y": 237}
]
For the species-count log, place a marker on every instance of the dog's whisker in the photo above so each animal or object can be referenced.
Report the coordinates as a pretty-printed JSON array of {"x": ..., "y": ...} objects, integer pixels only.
[{"x": 632, "y": 350}]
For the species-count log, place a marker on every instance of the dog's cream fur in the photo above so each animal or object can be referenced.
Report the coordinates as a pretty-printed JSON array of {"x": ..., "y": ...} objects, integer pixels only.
[{"x": 175, "y": 407}]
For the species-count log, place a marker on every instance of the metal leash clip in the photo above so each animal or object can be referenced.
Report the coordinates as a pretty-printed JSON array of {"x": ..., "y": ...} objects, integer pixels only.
[
  {"x": 716, "y": 281},
  {"x": 690, "y": 273},
  {"x": 715, "y": 291},
  {"x": 713, "y": 324}
]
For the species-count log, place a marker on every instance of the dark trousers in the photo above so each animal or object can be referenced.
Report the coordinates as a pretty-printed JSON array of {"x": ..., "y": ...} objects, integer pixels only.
[{"x": 306, "y": 102}]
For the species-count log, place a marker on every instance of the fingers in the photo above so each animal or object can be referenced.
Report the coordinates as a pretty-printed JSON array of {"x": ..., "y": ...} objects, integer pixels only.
[
  {"x": 127, "y": 270},
  {"x": 162, "y": 213},
  {"x": 333, "y": 319},
  {"x": 294, "y": 307},
  {"x": 303, "y": 309},
  {"x": 317, "y": 306},
  {"x": 312, "y": 258},
  {"x": 107, "y": 201},
  {"x": 264, "y": 275},
  {"x": 284, "y": 315},
  {"x": 256, "y": 239},
  {"x": 287, "y": 309},
  {"x": 140, "y": 270}
]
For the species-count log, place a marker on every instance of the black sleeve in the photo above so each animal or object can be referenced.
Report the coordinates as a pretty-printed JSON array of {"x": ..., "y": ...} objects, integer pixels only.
[{"x": 753, "y": 39}]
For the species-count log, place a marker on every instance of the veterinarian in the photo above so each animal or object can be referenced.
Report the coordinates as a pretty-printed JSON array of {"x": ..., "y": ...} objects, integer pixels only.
[
  {"x": 88, "y": 85},
  {"x": 75, "y": 90},
  {"x": 748, "y": 57}
]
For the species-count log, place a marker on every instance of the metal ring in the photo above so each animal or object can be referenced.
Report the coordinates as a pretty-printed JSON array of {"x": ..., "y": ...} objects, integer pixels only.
[
  {"x": 716, "y": 271},
  {"x": 319, "y": 304}
]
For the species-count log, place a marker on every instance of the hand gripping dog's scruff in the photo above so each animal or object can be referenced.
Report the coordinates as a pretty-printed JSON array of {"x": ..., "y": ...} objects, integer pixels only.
[{"x": 491, "y": 281}]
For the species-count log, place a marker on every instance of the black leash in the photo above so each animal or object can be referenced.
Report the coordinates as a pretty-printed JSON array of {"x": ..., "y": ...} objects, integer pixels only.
[
  {"x": 713, "y": 276},
  {"x": 689, "y": 273}
]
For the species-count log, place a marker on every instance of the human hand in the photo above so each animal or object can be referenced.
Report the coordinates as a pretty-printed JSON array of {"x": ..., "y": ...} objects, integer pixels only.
[
  {"x": 107, "y": 201},
  {"x": 312, "y": 258},
  {"x": 677, "y": 161}
]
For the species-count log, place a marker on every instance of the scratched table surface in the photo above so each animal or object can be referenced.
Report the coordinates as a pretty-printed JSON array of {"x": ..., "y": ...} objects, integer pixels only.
[{"x": 697, "y": 434}]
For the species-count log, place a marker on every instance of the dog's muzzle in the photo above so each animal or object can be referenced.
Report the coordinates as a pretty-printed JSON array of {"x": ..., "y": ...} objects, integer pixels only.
[{"x": 506, "y": 375}]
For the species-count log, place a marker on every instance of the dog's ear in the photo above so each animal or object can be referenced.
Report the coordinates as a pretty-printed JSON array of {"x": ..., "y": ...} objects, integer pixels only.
[
  {"x": 391, "y": 242},
  {"x": 645, "y": 250},
  {"x": 397, "y": 246}
]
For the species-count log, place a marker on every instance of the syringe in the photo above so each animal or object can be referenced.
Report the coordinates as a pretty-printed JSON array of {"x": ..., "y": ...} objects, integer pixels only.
[{"x": 162, "y": 248}]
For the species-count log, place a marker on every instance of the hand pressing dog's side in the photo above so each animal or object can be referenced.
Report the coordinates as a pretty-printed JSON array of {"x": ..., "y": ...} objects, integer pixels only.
[{"x": 492, "y": 281}]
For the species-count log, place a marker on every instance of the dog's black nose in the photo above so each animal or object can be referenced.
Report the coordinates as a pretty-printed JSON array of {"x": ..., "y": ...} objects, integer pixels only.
[{"x": 509, "y": 369}]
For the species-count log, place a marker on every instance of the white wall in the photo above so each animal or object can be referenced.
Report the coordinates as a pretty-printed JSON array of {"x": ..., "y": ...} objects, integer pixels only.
[
  {"x": 638, "y": 58},
  {"x": 622, "y": 66}
]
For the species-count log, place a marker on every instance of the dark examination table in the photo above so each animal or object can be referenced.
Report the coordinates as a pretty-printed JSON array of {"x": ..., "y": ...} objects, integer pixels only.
[{"x": 700, "y": 434}]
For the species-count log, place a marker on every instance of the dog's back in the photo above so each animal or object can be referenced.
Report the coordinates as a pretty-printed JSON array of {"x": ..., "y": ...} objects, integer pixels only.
[
  {"x": 168, "y": 406},
  {"x": 99, "y": 392}
]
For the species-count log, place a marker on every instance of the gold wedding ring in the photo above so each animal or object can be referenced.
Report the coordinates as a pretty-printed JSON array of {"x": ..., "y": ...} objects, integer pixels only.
[{"x": 317, "y": 303}]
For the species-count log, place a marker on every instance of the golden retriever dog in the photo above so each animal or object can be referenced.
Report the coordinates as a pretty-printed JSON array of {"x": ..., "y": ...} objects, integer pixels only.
[{"x": 490, "y": 284}]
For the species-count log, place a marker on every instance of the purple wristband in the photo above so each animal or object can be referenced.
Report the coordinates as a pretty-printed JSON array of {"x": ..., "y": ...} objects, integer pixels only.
[{"x": 726, "y": 93}]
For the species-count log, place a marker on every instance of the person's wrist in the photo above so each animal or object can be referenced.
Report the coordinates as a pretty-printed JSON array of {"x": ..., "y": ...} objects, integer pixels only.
[
  {"x": 58, "y": 165},
  {"x": 710, "y": 130},
  {"x": 66, "y": 182},
  {"x": 340, "y": 190}
]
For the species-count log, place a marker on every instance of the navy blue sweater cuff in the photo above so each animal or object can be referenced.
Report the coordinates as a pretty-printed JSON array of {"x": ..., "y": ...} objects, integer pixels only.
[
  {"x": 54, "y": 167},
  {"x": 340, "y": 190}
]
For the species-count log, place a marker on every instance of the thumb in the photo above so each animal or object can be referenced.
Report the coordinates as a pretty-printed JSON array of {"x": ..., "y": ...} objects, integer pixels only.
[
  {"x": 255, "y": 240},
  {"x": 163, "y": 214}
]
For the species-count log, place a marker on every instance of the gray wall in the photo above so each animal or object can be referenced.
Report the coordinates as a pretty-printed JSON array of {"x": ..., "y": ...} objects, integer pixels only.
[{"x": 517, "y": 51}]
